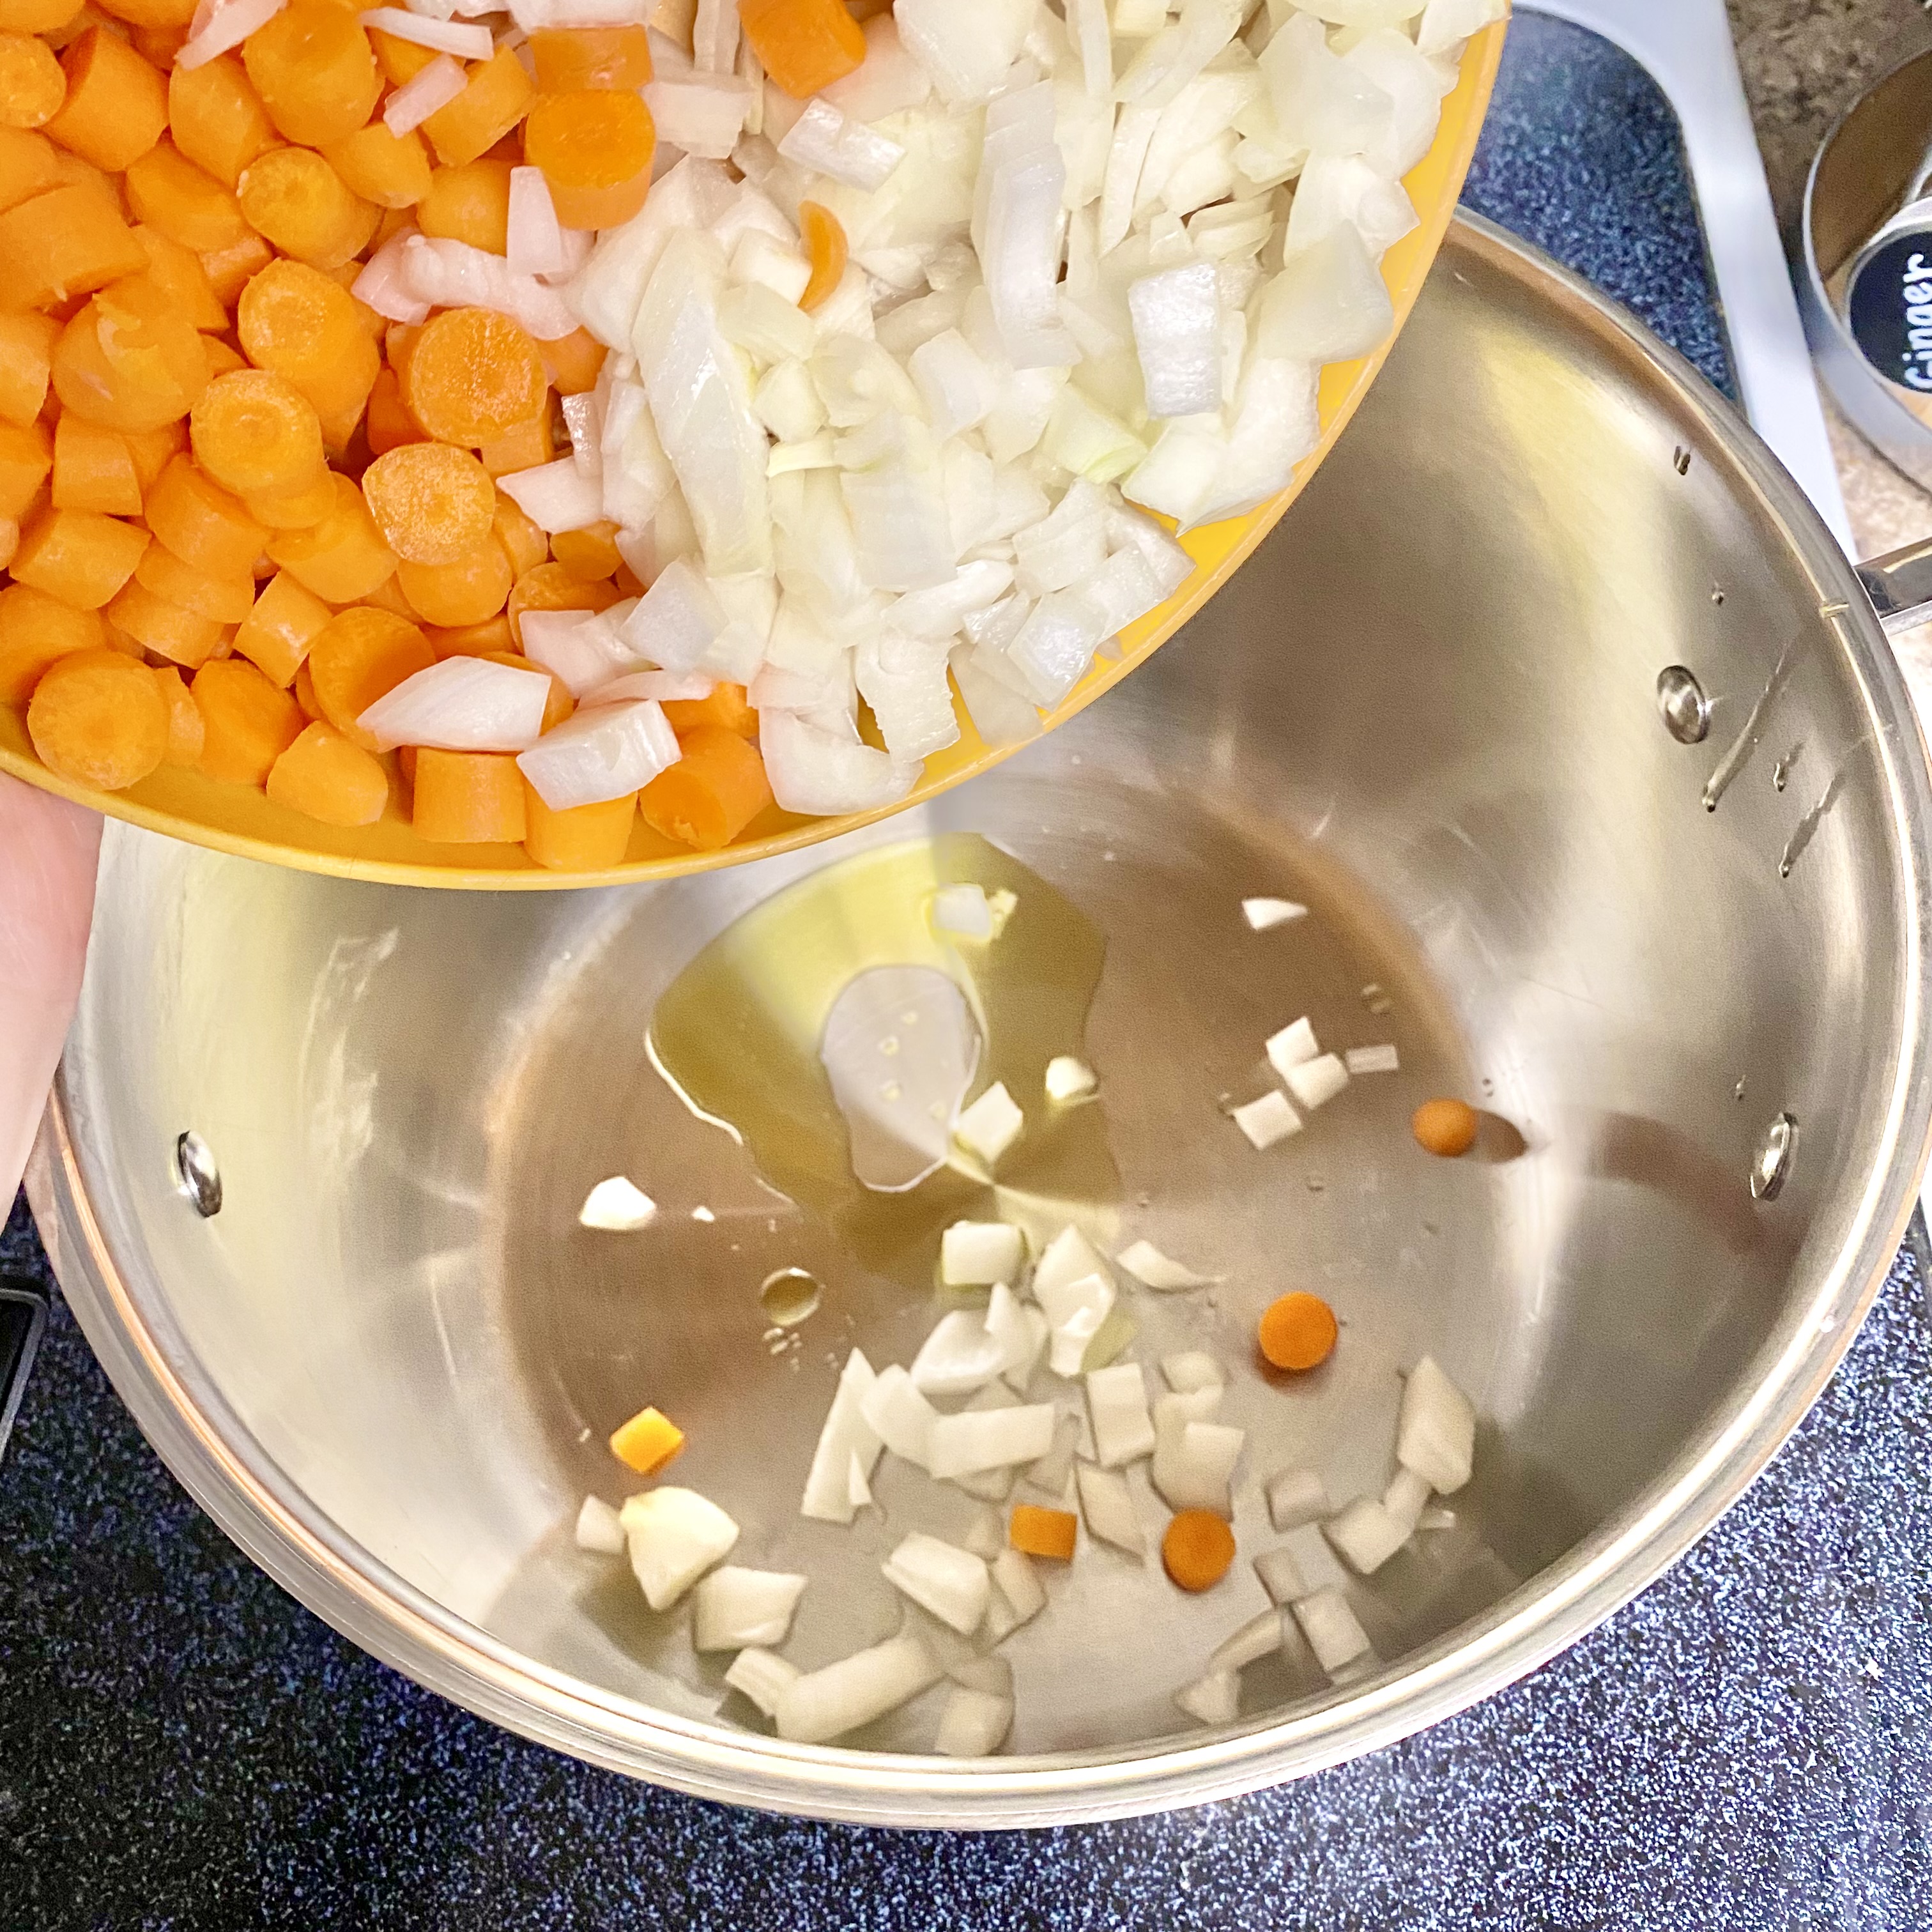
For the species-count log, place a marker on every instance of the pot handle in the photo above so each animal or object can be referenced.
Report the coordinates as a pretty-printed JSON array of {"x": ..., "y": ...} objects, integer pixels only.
[
  {"x": 1900, "y": 586},
  {"x": 23, "y": 1314}
]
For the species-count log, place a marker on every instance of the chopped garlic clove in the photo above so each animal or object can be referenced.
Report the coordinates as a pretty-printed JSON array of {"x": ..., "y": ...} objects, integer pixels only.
[
  {"x": 599, "y": 1527},
  {"x": 991, "y": 1125},
  {"x": 1260, "y": 914},
  {"x": 616, "y": 1206},
  {"x": 1267, "y": 1120},
  {"x": 1068, "y": 1078}
]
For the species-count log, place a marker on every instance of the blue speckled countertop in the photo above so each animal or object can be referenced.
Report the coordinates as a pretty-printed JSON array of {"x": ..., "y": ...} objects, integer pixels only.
[{"x": 1748, "y": 1745}]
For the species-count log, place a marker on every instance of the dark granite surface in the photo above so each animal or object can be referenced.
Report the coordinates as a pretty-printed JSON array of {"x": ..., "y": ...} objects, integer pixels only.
[{"x": 1748, "y": 1745}]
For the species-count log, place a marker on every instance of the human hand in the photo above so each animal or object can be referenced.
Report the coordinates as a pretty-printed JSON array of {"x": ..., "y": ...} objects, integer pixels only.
[{"x": 49, "y": 849}]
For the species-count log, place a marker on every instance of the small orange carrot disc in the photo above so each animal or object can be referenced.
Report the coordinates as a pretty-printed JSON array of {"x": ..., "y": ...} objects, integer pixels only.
[
  {"x": 1445, "y": 1127},
  {"x": 647, "y": 1441},
  {"x": 823, "y": 236},
  {"x": 1197, "y": 1550},
  {"x": 1297, "y": 1331}
]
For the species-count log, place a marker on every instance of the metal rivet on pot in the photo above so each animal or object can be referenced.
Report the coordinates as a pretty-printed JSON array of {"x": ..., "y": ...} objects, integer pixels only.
[
  {"x": 1681, "y": 703},
  {"x": 200, "y": 1178},
  {"x": 1773, "y": 1161}
]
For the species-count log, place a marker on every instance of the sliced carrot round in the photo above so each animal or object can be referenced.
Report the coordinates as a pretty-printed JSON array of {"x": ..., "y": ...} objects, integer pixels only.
[
  {"x": 1197, "y": 1550},
  {"x": 256, "y": 434},
  {"x": 434, "y": 501},
  {"x": 1446, "y": 1128},
  {"x": 473, "y": 375},
  {"x": 1297, "y": 1331},
  {"x": 594, "y": 147}
]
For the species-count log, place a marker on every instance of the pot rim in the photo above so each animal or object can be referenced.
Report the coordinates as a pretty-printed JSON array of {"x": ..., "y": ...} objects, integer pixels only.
[{"x": 229, "y": 1474}]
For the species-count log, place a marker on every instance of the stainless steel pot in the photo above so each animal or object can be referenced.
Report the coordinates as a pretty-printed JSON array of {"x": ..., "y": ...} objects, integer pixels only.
[{"x": 1676, "y": 944}]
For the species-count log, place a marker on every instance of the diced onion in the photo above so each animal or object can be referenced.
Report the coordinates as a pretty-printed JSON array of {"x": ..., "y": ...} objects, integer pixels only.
[
  {"x": 462, "y": 704},
  {"x": 895, "y": 1410},
  {"x": 959, "y": 1357},
  {"x": 1266, "y": 1120},
  {"x": 452, "y": 274},
  {"x": 991, "y": 1125},
  {"x": 702, "y": 114},
  {"x": 1406, "y": 1497},
  {"x": 1316, "y": 1082},
  {"x": 847, "y": 1434},
  {"x": 823, "y": 141},
  {"x": 737, "y": 1609},
  {"x": 825, "y": 1704},
  {"x": 1177, "y": 317},
  {"x": 600, "y": 1529},
  {"x": 533, "y": 243},
  {"x": 218, "y": 27},
  {"x": 762, "y": 1677},
  {"x": 1435, "y": 1431},
  {"x": 380, "y": 283},
  {"x": 1262, "y": 915},
  {"x": 1191, "y": 1370},
  {"x": 1069, "y": 1079},
  {"x": 1261, "y": 1636},
  {"x": 974, "y": 1723},
  {"x": 1296, "y": 1497},
  {"x": 1333, "y": 1632},
  {"x": 555, "y": 497},
  {"x": 666, "y": 687},
  {"x": 814, "y": 771},
  {"x": 675, "y": 1535},
  {"x": 1215, "y": 1699},
  {"x": 1364, "y": 1534},
  {"x": 617, "y": 1206},
  {"x": 1380, "y": 1059},
  {"x": 952, "y": 1583},
  {"x": 1149, "y": 1266},
  {"x": 600, "y": 754},
  {"x": 971, "y": 1442},
  {"x": 1281, "y": 1577},
  {"x": 1108, "y": 1504},
  {"x": 1295, "y": 1045},
  {"x": 1117, "y": 1407},
  {"x": 582, "y": 647}
]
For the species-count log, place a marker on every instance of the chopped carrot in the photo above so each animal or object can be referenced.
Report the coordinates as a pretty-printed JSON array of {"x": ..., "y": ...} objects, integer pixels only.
[
  {"x": 1049, "y": 1533},
  {"x": 187, "y": 733},
  {"x": 164, "y": 626},
  {"x": 1197, "y": 1550},
  {"x": 471, "y": 641},
  {"x": 129, "y": 360},
  {"x": 523, "y": 543},
  {"x": 469, "y": 798},
  {"x": 116, "y": 105},
  {"x": 78, "y": 556},
  {"x": 227, "y": 600},
  {"x": 803, "y": 45},
  {"x": 217, "y": 118},
  {"x": 584, "y": 839},
  {"x": 711, "y": 794},
  {"x": 549, "y": 586},
  {"x": 1446, "y": 1128},
  {"x": 573, "y": 361},
  {"x": 728, "y": 706},
  {"x": 495, "y": 98},
  {"x": 248, "y": 721},
  {"x": 595, "y": 148},
  {"x": 322, "y": 775},
  {"x": 570, "y": 58},
  {"x": 293, "y": 196},
  {"x": 25, "y": 457},
  {"x": 26, "y": 361},
  {"x": 315, "y": 71},
  {"x": 93, "y": 469},
  {"x": 472, "y": 376},
  {"x": 588, "y": 553},
  {"x": 1297, "y": 1331},
  {"x": 68, "y": 241},
  {"x": 434, "y": 503},
  {"x": 471, "y": 204},
  {"x": 360, "y": 655},
  {"x": 342, "y": 558},
  {"x": 97, "y": 718},
  {"x": 647, "y": 1441},
  {"x": 256, "y": 433},
  {"x": 201, "y": 523},
  {"x": 276, "y": 634},
  {"x": 824, "y": 235},
  {"x": 36, "y": 631},
  {"x": 471, "y": 590}
]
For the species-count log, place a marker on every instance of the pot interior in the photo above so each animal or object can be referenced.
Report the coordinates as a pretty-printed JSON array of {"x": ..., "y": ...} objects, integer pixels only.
[{"x": 1427, "y": 709}]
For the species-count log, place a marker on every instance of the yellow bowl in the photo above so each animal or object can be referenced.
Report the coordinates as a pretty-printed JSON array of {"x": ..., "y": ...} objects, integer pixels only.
[{"x": 234, "y": 818}]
